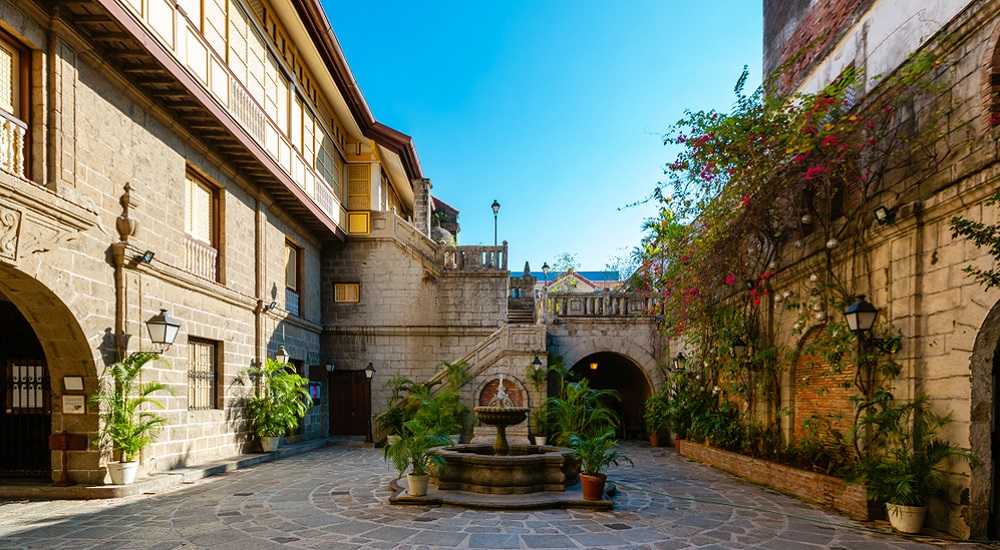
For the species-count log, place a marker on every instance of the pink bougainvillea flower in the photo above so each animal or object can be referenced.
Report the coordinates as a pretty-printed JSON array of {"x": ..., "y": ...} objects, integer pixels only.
[
  {"x": 800, "y": 158},
  {"x": 745, "y": 201},
  {"x": 829, "y": 140},
  {"x": 814, "y": 171},
  {"x": 685, "y": 258},
  {"x": 730, "y": 279}
]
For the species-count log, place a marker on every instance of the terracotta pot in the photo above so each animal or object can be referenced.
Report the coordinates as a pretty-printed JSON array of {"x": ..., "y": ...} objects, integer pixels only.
[
  {"x": 416, "y": 486},
  {"x": 677, "y": 443},
  {"x": 654, "y": 439},
  {"x": 593, "y": 486},
  {"x": 906, "y": 519},
  {"x": 269, "y": 444},
  {"x": 123, "y": 473}
]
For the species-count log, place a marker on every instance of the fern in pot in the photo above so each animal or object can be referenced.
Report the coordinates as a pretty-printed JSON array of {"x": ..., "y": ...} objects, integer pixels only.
[
  {"x": 412, "y": 454},
  {"x": 126, "y": 426},
  {"x": 280, "y": 403}
]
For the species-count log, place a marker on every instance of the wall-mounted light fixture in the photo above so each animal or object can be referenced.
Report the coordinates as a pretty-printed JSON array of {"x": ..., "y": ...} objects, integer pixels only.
[
  {"x": 147, "y": 257},
  {"x": 885, "y": 216},
  {"x": 593, "y": 366},
  {"x": 163, "y": 328}
]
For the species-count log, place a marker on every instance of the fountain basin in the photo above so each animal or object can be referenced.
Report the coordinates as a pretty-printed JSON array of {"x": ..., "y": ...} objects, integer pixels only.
[{"x": 526, "y": 469}]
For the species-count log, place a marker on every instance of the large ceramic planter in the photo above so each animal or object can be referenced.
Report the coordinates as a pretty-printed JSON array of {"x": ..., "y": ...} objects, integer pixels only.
[
  {"x": 540, "y": 440},
  {"x": 593, "y": 486},
  {"x": 392, "y": 439},
  {"x": 906, "y": 519},
  {"x": 269, "y": 444},
  {"x": 416, "y": 485},
  {"x": 123, "y": 473}
]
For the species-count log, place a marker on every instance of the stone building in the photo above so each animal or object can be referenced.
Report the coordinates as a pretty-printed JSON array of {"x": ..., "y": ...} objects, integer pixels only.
[
  {"x": 950, "y": 324},
  {"x": 216, "y": 159}
]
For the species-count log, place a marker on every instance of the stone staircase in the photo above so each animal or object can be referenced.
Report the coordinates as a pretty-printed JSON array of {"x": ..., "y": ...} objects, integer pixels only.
[{"x": 520, "y": 312}]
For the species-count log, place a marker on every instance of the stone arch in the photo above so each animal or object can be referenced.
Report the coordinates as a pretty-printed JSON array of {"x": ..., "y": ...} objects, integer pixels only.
[
  {"x": 983, "y": 377},
  {"x": 67, "y": 353},
  {"x": 573, "y": 354},
  {"x": 613, "y": 371},
  {"x": 807, "y": 394},
  {"x": 991, "y": 80}
]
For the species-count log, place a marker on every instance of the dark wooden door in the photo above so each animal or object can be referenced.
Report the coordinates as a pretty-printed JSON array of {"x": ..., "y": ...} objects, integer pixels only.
[
  {"x": 350, "y": 403},
  {"x": 25, "y": 419}
]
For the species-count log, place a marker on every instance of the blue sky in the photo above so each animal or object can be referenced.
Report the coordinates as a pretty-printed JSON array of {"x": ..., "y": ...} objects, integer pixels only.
[{"x": 554, "y": 108}]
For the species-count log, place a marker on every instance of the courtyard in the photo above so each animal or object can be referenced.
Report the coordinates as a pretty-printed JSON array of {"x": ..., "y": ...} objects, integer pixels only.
[{"x": 336, "y": 497}]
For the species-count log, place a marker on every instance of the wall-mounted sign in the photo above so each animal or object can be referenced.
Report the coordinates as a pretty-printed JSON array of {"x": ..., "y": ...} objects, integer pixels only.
[
  {"x": 73, "y": 383},
  {"x": 74, "y": 404}
]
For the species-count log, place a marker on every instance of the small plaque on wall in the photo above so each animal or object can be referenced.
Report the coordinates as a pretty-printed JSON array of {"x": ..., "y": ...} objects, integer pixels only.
[
  {"x": 73, "y": 383},
  {"x": 74, "y": 404}
]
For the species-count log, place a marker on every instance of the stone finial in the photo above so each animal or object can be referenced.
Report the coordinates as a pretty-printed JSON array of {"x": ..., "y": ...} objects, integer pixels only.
[
  {"x": 527, "y": 269},
  {"x": 125, "y": 225}
]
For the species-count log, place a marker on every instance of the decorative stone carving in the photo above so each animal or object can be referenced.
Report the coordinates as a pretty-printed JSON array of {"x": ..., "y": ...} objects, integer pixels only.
[
  {"x": 125, "y": 225},
  {"x": 10, "y": 228}
]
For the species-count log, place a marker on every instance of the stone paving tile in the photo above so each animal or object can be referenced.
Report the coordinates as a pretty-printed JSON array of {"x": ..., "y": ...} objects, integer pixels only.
[{"x": 336, "y": 498}]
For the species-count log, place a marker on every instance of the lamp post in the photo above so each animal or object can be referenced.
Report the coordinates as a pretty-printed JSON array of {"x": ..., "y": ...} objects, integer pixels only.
[
  {"x": 545, "y": 292},
  {"x": 369, "y": 374},
  {"x": 496, "y": 212},
  {"x": 163, "y": 328},
  {"x": 861, "y": 316}
]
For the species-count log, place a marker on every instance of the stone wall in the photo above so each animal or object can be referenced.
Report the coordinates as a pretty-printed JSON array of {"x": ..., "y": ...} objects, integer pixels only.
[{"x": 115, "y": 136}]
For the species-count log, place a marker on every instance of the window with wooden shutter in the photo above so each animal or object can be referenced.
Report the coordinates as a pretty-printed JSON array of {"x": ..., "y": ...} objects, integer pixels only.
[
  {"x": 10, "y": 81},
  {"x": 199, "y": 210},
  {"x": 203, "y": 374},
  {"x": 359, "y": 186},
  {"x": 347, "y": 293},
  {"x": 293, "y": 279},
  {"x": 214, "y": 26}
]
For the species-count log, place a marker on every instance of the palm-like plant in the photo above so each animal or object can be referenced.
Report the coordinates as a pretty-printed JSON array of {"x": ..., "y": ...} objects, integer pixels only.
[
  {"x": 412, "y": 451},
  {"x": 907, "y": 473},
  {"x": 597, "y": 453},
  {"x": 126, "y": 426},
  {"x": 581, "y": 411},
  {"x": 281, "y": 400}
]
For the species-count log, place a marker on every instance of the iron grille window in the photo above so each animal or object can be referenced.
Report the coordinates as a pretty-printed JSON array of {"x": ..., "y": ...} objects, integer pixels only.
[
  {"x": 25, "y": 386},
  {"x": 203, "y": 368}
]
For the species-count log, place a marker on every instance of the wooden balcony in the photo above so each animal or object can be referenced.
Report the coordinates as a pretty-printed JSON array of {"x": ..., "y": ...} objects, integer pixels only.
[{"x": 211, "y": 104}]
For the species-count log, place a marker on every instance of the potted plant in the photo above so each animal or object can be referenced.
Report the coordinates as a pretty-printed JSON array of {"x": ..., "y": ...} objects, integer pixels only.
[
  {"x": 411, "y": 454},
  {"x": 596, "y": 454},
  {"x": 907, "y": 474},
  {"x": 281, "y": 401},
  {"x": 657, "y": 417},
  {"x": 390, "y": 422},
  {"x": 540, "y": 421},
  {"x": 125, "y": 427}
]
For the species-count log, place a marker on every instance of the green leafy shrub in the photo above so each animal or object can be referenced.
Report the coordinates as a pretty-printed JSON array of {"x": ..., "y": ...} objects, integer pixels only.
[
  {"x": 412, "y": 452},
  {"x": 657, "y": 412},
  {"x": 281, "y": 401},
  {"x": 597, "y": 452},
  {"x": 125, "y": 426},
  {"x": 582, "y": 411}
]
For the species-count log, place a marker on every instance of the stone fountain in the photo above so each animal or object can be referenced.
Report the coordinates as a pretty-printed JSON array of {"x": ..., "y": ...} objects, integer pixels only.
[{"x": 503, "y": 476}]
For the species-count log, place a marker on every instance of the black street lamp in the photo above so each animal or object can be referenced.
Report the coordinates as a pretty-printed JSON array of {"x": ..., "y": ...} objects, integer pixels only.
[
  {"x": 496, "y": 212},
  {"x": 679, "y": 361},
  {"x": 740, "y": 348},
  {"x": 369, "y": 374},
  {"x": 163, "y": 328},
  {"x": 537, "y": 362},
  {"x": 861, "y": 315}
]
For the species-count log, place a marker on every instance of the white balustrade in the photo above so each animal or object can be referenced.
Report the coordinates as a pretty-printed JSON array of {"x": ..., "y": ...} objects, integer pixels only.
[
  {"x": 201, "y": 259},
  {"x": 12, "y": 132}
]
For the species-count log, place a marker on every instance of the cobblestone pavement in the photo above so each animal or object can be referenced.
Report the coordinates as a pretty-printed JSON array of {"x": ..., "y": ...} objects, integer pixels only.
[{"x": 337, "y": 498}]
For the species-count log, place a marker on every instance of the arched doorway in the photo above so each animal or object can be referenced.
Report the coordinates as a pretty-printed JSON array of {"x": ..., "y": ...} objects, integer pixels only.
[
  {"x": 25, "y": 403},
  {"x": 612, "y": 371},
  {"x": 48, "y": 358}
]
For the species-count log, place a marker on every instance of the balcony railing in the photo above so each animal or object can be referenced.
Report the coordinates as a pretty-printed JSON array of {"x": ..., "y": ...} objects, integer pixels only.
[
  {"x": 12, "y": 132},
  {"x": 201, "y": 259},
  {"x": 479, "y": 258},
  {"x": 602, "y": 305},
  {"x": 292, "y": 302}
]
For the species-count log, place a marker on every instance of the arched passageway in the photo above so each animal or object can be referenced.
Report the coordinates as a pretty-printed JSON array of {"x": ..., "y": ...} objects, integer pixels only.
[
  {"x": 44, "y": 358},
  {"x": 612, "y": 371}
]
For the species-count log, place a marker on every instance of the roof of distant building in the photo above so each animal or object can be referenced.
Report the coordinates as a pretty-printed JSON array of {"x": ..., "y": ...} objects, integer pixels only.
[{"x": 594, "y": 276}]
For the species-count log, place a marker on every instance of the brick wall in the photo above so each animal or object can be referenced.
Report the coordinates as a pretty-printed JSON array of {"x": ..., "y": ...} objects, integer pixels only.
[
  {"x": 830, "y": 492},
  {"x": 821, "y": 396}
]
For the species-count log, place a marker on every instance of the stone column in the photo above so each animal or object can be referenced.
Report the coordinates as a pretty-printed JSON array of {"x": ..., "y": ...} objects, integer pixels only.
[{"x": 422, "y": 205}]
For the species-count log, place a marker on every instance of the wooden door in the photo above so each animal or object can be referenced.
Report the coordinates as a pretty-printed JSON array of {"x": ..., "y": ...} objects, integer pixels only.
[{"x": 350, "y": 403}]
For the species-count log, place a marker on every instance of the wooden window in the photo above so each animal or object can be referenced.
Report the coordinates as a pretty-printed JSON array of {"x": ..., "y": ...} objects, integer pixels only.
[
  {"x": 293, "y": 278},
  {"x": 203, "y": 374},
  {"x": 200, "y": 210},
  {"x": 10, "y": 78},
  {"x": 359, "y": 186},
  {"x": 347, "y": 293},
  {"x": 214, "y": 25},
  {"x": 297, "y": 124}
]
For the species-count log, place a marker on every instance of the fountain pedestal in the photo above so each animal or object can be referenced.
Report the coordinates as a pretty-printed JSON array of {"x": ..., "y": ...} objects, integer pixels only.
[{"x": 500, "y": 418}]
